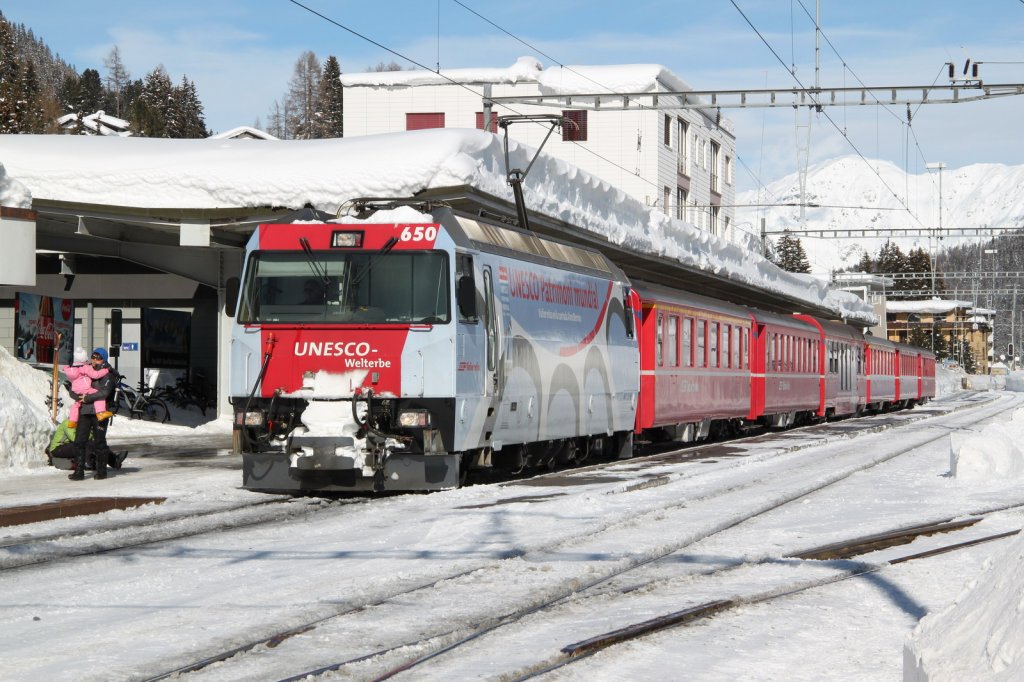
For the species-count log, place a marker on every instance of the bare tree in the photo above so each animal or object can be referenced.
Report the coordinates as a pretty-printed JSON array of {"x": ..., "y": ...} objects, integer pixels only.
[
  {"x": 303, "y": 90},
  {"x": 117, "y": 78},
  {"x": 390, "y": 66}
]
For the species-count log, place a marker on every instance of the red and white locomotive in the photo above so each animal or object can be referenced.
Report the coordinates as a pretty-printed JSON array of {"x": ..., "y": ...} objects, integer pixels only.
[{"x": 398, "y": 355}]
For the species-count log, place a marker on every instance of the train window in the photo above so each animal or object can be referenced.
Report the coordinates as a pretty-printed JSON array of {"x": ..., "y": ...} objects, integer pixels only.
[
  {"x": 688, "y": 342},
  {"x": 400, "y": 287},
  {"x": 726, "y": 345},
  {"x": 490, "y": 322},
  {"x": 672, "y": 341},
  {"x": 659, "y": 343},
  {"x": 701, "y": 340},
  {"x": 464, "y": 278},
  {"x": 628, "y": 314},
  {"x": 713, "y": 345}
]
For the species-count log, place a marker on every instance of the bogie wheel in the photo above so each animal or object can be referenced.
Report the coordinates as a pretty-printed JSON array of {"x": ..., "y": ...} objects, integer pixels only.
[{"x": 156, "y": 411}]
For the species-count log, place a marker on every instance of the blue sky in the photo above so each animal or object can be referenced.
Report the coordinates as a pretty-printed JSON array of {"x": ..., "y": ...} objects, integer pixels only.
[{"x": 240, "y": 54}]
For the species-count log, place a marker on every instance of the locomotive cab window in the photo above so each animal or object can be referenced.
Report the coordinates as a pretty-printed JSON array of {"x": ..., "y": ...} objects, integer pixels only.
[{"x": 337, "y": 287}]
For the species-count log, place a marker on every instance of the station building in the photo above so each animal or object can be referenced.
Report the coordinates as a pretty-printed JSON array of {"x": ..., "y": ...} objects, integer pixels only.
[{"x": 679, "y": 160}]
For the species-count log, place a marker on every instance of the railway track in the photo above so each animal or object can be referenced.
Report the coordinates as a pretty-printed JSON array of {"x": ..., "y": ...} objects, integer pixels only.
[{"x": 410, "y": 643}]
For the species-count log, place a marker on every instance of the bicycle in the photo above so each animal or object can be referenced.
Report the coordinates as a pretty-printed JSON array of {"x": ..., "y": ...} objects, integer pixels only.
[{"x": 139, "y": 404}]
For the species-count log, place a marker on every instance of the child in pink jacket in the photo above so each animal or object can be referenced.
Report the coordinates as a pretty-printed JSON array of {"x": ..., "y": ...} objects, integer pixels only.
[{"x": 82, "y": 374}]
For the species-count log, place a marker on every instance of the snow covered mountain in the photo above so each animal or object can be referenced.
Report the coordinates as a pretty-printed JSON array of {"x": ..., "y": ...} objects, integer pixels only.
[{"x": 850, "y": 193}]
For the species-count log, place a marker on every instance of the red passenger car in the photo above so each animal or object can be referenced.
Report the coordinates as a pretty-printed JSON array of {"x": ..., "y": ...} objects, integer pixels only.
[
  {"x": 786, "y": 369},
  {"x": 694, "y": 364},
  {"x": 842, "y": 383},
  {"x": 881, "y": 362}
]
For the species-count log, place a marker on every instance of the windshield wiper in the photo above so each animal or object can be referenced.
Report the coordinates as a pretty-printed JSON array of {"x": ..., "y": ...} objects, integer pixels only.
[
  {"x": 319, "y": 269},
  {"x": 391, "y": 243}
]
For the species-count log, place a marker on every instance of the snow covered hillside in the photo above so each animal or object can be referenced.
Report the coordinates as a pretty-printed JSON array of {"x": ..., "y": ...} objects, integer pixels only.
[{"x": 851, "y": 194}]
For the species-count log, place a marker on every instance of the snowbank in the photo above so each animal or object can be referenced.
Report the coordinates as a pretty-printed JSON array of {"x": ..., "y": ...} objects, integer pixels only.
[
  {"x": 1014, "y": 381},
  {"x": 13, "y": 194},
  {"x": 25, "y": 426},
  {"x": 979, "y": 636},
  {"x": 948, "y": 381},
  {"x": 995, "y": 455}
]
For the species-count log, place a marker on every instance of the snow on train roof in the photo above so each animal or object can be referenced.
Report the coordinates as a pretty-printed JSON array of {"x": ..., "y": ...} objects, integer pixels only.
[{"x": 209, "y": 174}]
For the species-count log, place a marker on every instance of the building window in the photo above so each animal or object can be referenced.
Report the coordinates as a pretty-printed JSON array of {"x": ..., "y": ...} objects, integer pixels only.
[
  {"x": 680, "y": 203},
  {"x": 714, "y": 167},
  {"x": 574, "y": 129},
  {"x": 667, "y": 199},
  {"x": 682, "y": 137},
  {"x": 424, "y": 121},
  {"x": 480, "y": 121},
  {"x": 713, "y": 227},
  {"x": 668, "y": 131},
  {"x": 728, "y": 170}
]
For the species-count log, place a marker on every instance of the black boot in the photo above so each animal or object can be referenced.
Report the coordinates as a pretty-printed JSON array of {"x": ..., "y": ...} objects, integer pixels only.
[{"x": 79, "y": 475}]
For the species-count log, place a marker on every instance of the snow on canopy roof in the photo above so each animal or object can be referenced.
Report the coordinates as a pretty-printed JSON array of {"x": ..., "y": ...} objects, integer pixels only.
[
  {"x": 929, "y": 306},
  {"x": 555, "y": 80},
  {"x": 211, "y": 173}
]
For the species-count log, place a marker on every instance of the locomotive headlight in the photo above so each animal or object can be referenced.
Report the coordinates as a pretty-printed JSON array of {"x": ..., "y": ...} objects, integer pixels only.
[{"x": 414, "y": 418}]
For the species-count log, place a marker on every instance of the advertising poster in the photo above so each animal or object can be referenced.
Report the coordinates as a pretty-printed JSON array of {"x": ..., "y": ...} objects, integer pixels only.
[
  {"x": 166, "y": 338},
  {"x": 37, "y": 322}
]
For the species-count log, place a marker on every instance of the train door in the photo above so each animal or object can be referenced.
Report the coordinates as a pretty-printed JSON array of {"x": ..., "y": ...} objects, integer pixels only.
[{"x": 493, "y": 319}]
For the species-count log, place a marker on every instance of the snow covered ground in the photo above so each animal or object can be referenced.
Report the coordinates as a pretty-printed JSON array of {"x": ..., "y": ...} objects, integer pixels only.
[{"x": 133, "y": 613}]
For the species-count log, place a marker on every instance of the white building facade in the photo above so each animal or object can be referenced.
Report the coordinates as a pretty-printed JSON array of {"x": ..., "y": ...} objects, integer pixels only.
[{"x": 681, "y": 160}]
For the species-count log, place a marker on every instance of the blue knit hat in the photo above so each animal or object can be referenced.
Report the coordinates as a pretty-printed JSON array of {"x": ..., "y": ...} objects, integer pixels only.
[{"x": 102, "y": 352}]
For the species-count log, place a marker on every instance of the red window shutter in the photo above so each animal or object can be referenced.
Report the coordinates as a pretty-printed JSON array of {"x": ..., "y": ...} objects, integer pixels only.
[
  {"x": 480, "y": 121},
  {"x": 574, "y": 128},
  {"x": 424, "y": 121}
]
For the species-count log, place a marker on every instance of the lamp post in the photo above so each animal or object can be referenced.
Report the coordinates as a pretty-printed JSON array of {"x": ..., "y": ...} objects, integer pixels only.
[{"x": 936, "y": 166}]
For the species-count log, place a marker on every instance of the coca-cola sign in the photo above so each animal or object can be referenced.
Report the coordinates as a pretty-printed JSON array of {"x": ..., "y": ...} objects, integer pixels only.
[{"x": 40, "y": 335}]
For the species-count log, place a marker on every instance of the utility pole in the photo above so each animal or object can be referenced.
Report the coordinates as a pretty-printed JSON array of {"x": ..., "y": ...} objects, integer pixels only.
[{"x": 931, "y": 247}]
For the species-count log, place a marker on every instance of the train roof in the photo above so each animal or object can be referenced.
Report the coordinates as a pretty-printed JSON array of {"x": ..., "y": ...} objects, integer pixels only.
[
  {"x": 494, "y": 237},
  {"x": 648, "y": 267}
]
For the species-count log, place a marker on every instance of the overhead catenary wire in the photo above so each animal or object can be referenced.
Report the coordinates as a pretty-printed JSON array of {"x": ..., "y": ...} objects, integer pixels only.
[
  {"x": 814, "y": 99},
  {"x": 588, "y": 150}
]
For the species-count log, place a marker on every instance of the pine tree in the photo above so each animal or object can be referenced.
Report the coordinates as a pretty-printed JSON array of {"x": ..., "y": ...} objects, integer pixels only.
[
  {"x": 31, "y": 117},
  {"x": 892, "y": 260},
  {"x": 10, "y": 77},
  {"x": 150, "y": 109},
  {"x": 919, "y": 261},
  {"x": 791, "y": 255},
  {"x": 330, "y": 101},
  {"x": 866, "y": 264},
  {"x": 185, "y": 112},
  {"x": 90, "y": 93}
]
